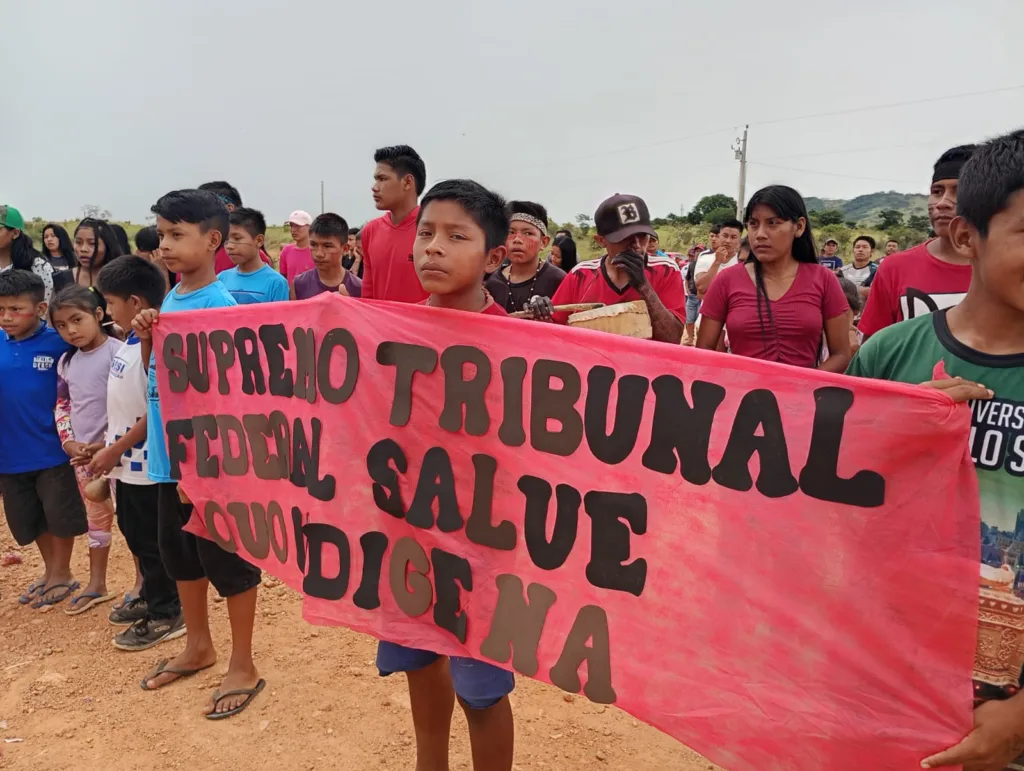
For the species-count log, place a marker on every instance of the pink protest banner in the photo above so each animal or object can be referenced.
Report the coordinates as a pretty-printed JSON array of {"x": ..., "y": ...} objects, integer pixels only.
[{"x": 777, "y": 567}]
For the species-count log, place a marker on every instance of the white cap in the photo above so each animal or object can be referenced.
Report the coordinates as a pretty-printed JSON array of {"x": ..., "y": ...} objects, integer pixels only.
[{"x": 300, "y": 218}]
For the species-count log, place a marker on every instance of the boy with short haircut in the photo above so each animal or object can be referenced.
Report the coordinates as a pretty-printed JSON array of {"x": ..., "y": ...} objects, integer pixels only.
[
  {"x": 147, "y": 243},
  {"x": 452, "y": 272},
  {"x": 625, "y": 274},
  {"x": 726, "y": 254},
  {"x": 251, "y": 280},
  {"x": 981, "y": 340},
  {"x": 296, "y": 257},
  {"x": 228, "y": 195},
  {"x": 398, "y": 182},
  {"x": 525, "y": 276},
  {"x": 829, "y": 255},
  {"x": 39, "y": 488},
  {"x": 193, "y": 224},
  {"x": 329, "y": 242},
  {"x": 929, "y": 277},
  {"x": 862, "y": 269},
  {"x": 131, "y": 285},
  {"x": 354, "y": 259}
]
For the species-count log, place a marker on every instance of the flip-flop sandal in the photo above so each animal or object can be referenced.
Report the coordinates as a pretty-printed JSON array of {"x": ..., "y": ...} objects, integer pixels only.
[
  {"x": 248, "y": 693},
  {"x": 31, "y": 591},
  {"x": 69, "y": 589},
  {"x": 94, "y": 599},
  {"x": 162, "y": 669}
]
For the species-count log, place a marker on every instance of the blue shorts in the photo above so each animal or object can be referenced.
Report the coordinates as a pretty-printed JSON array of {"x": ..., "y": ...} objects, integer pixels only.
[
  {"x": 478, "y": 684},
  {"x": 692, "y": 308}
]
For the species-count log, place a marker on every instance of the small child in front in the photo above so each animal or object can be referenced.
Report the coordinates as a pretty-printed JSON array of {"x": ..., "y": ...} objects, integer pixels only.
[
  {"x": 40, "y": 491},
  {"x": 192, "y": 225},
  {"x": 80, "y": 317},
  {"x": 460, "y": 236},
  {"x": 153, "y": 614}
]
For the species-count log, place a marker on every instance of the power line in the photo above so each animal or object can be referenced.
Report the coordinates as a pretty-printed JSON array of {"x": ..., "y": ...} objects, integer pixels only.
[
  {"x": 830, "y": 174},
  {"x": 689, "y": 137},
  {"x": 889, "y": 106},
  {"x": 851, "y": 150},
  {"x": 775, "y": 121}
]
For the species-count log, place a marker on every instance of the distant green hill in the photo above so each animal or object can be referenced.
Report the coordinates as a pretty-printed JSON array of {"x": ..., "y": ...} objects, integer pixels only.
[{"x": 864, "y": 209}]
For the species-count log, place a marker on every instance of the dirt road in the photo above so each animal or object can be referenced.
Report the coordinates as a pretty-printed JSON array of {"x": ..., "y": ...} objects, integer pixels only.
[{"x": 75, "y": 703}]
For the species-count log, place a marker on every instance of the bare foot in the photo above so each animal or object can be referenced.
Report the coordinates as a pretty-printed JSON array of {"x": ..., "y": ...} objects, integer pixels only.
[
  {"x": 185, "y": 664},
  {"x": 233, "y": 681}
]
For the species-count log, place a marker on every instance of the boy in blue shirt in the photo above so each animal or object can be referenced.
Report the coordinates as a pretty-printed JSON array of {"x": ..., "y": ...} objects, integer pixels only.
[
  {"x": 193, "y": 225},
  {"x": 41, "y": 497},
  {"x": 251, "y": 280}
]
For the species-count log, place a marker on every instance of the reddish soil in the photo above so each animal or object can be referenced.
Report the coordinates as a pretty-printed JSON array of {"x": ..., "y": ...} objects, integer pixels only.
[{"x": 74, "y": 701}]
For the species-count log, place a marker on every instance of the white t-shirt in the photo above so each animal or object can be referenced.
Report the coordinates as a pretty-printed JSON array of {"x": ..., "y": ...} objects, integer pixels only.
[
  {"x": 44, "y": 270},
  {"x": 857, "y": 275},
  {"x": 126, "y": 405},
  {"x": 706, "y": 261}
]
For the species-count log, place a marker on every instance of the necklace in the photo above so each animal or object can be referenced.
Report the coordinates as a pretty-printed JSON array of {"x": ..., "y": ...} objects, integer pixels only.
[{"x": 509, "y": 304}]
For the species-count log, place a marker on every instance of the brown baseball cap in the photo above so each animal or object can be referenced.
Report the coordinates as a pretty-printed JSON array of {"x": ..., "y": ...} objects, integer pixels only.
[{"x": 621, "y": 217}]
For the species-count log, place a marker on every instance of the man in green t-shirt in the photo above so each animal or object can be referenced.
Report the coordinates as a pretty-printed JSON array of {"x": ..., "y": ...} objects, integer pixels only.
[{"x": 981, "y": 341}]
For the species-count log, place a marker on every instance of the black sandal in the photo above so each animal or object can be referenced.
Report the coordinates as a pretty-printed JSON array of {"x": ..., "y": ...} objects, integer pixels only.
[
  {"x": 163, "y": 669},
  {"x": 249, "y": 693}
]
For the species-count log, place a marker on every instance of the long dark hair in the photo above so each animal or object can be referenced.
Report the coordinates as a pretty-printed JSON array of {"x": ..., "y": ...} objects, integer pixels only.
[
  {"x": 567, "y": 246},
  {"x": 122, "y": 238},
  {"x": 102, "y": 232},
  {"x": 23, "y": 253},
  {"x": 67, "y": 249},
  {"x": 787, "y": 204},
  {"x": 84, "y": 299}
]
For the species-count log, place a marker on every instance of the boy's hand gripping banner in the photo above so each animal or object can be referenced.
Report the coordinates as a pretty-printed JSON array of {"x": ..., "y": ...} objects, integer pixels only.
[{"x": 776, "y": 566}]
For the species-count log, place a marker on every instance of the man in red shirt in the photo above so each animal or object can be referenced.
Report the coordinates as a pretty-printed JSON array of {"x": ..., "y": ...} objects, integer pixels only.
[
  {"x": 230, "y": 197},
  {"x": 928, "y": 277},
  {"x": 626, "y": 273},
  {"x": 388, "y": 269}
]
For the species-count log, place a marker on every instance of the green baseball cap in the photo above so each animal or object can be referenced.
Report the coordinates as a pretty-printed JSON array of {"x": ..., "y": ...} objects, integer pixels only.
[{"x": 11, "y": 217}]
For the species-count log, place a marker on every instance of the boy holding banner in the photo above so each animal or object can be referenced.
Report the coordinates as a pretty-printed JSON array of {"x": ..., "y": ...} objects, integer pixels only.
[
  {"x": 460, "y": 235},
  {"x": 193, "y": 225},
  {"x": 981, "y": 340}
]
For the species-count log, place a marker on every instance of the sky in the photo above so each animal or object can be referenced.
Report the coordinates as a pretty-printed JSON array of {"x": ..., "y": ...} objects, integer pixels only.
[{"x": 115, "y": 102}]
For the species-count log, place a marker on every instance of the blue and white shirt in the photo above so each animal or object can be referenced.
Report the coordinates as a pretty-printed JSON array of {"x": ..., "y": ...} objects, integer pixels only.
[{"x": 126, "y": 406}]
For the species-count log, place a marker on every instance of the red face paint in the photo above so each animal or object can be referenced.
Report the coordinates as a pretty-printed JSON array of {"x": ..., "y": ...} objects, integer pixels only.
[{"x": 522, "y": 247}]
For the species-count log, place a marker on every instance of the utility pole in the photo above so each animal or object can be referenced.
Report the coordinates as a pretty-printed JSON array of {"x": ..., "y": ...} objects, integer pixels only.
[
  {"x": 740, "y": 148},
  {"x": 322, "y": 197}
]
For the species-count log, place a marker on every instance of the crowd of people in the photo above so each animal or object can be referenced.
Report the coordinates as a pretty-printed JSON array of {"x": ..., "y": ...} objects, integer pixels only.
[{"x": 86, "y": 446}]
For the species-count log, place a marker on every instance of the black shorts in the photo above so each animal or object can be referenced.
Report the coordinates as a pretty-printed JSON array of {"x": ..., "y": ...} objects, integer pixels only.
[
  {"x": 188, "y": 558},
  {"x": 47, "y": 501}
]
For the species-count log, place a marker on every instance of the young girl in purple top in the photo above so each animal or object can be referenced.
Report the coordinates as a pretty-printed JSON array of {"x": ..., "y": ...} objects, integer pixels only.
[
  {"x": 79, "y": 315},
  {"x": 328, "y": 242}
]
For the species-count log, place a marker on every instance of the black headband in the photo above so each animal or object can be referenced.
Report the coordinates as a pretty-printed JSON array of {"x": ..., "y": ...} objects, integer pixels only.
[{"x": 947, "y": 170}]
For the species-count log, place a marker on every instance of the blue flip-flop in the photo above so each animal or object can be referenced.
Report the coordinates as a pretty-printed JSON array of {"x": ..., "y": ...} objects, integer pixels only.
[
  {"x": 31, "y": 592},
  {"x": 87, "y": 601},
  {"x": 69, "y": 589}
]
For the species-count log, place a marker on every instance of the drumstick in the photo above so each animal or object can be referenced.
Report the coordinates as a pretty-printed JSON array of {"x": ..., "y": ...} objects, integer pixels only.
[{"x": 574, "y": 308}]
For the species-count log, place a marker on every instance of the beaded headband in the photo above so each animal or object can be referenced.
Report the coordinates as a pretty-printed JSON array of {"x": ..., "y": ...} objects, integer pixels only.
[{"x": 529, "y": 219}]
